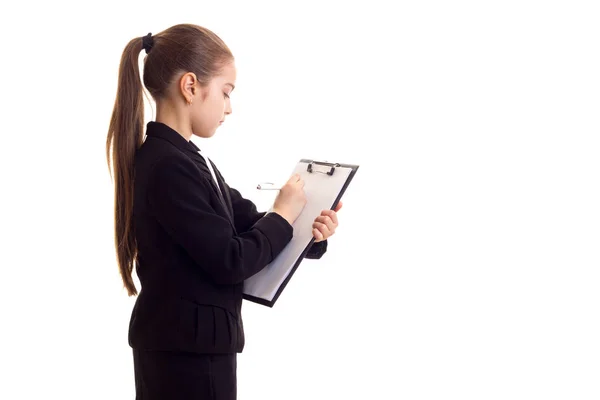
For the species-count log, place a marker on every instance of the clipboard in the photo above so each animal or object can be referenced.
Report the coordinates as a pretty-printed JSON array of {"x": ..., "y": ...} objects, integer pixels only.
[{"x": 325, "y": 184}]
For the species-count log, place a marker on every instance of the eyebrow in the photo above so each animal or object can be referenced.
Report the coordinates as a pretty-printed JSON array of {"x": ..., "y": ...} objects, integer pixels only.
[{"x": 231, "y": 84}]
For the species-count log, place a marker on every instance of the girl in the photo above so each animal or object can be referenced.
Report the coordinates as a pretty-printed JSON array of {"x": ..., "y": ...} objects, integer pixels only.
[{"x": 192, "y": 238}]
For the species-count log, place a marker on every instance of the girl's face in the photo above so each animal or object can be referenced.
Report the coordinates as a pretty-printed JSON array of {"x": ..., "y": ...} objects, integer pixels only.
[{"x": 212, "y": 104}]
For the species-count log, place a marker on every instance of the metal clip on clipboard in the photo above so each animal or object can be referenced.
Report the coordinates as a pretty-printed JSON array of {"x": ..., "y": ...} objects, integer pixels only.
[{"x": 309, "y": 167}]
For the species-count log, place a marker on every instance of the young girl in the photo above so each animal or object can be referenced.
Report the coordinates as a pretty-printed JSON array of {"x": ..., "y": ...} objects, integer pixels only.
[{"x": 192, "y": 238}]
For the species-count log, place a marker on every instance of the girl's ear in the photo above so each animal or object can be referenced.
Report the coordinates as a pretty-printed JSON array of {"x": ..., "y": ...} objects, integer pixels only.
[{"x": 187, "y": 86}]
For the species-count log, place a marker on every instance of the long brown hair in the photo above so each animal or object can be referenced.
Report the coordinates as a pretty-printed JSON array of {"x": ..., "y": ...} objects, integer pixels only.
[{"x": 173, "y": 52}]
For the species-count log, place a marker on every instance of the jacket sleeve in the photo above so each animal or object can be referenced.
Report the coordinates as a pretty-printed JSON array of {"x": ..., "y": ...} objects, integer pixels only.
[
  {"x": 179, "y": 197},
  {"x": 246, "y": 215},
  {"x": 317, "y": 250}
]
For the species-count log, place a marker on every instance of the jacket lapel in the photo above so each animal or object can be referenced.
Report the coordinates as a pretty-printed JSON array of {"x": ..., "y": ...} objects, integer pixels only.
[
  {"x": 226, "y": 195},
  {"x": 223, "y": 193}
]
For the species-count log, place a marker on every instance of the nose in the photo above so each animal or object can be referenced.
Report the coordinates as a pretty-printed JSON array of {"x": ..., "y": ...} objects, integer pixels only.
[{"x": 228, "y": 109}]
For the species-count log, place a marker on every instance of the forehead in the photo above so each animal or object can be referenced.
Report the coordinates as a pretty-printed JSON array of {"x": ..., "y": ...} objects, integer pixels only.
[{"x": 227, "y": 74}]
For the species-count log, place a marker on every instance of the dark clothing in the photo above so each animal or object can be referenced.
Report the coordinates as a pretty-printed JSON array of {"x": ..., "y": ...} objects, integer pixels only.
[
  {"x": 196, "y": 246},
  {"x": 162, "y": 375}
]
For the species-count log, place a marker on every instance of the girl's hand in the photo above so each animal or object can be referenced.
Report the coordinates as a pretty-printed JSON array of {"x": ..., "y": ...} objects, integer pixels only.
[{"x": 326, "y": 224}]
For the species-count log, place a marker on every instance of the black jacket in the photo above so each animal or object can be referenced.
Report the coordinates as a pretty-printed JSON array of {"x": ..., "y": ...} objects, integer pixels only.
[{"x": 196, "y": 247}]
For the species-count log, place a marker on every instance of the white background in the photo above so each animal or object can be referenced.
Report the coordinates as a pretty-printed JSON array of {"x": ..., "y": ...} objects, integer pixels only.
[{"x": 466, "y": 264}]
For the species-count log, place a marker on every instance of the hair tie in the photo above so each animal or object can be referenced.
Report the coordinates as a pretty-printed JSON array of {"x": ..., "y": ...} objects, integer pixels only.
[{"x": 147, "y": 42}]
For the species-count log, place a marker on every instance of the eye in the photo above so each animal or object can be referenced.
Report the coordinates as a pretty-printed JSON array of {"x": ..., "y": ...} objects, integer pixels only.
[{"x": 226, "y": 95}]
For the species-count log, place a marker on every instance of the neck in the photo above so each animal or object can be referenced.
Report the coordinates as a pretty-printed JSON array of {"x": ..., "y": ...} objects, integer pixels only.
[{"x": 174, "y": 118}]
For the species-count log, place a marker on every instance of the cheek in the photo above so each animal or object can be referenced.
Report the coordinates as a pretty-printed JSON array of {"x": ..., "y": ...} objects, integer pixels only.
[
  {"x": 223, "y": 102},
  {"x": 214, "y": 104}
]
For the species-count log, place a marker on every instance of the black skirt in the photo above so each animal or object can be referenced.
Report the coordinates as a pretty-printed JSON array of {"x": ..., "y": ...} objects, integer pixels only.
[{"x": 162, "y": 375}]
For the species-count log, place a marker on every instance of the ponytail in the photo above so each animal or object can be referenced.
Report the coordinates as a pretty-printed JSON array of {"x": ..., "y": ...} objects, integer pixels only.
[
  {"x": 182, "y": 47},
  {"x": 125, "y": 135}
]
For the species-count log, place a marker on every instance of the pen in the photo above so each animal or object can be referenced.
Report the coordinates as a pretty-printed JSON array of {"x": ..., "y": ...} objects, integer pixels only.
[{"x": 261, "y": 186}]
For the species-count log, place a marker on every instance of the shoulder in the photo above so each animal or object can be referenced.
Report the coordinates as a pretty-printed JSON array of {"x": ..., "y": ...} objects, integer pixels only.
[
  {"x": 174, "y": 167},
  {"x": 154, "y": 149},
  {"x": 155, "y": 156},
  {"x": 174, "y": 182},
  {"x": 167, "y": 168}
]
